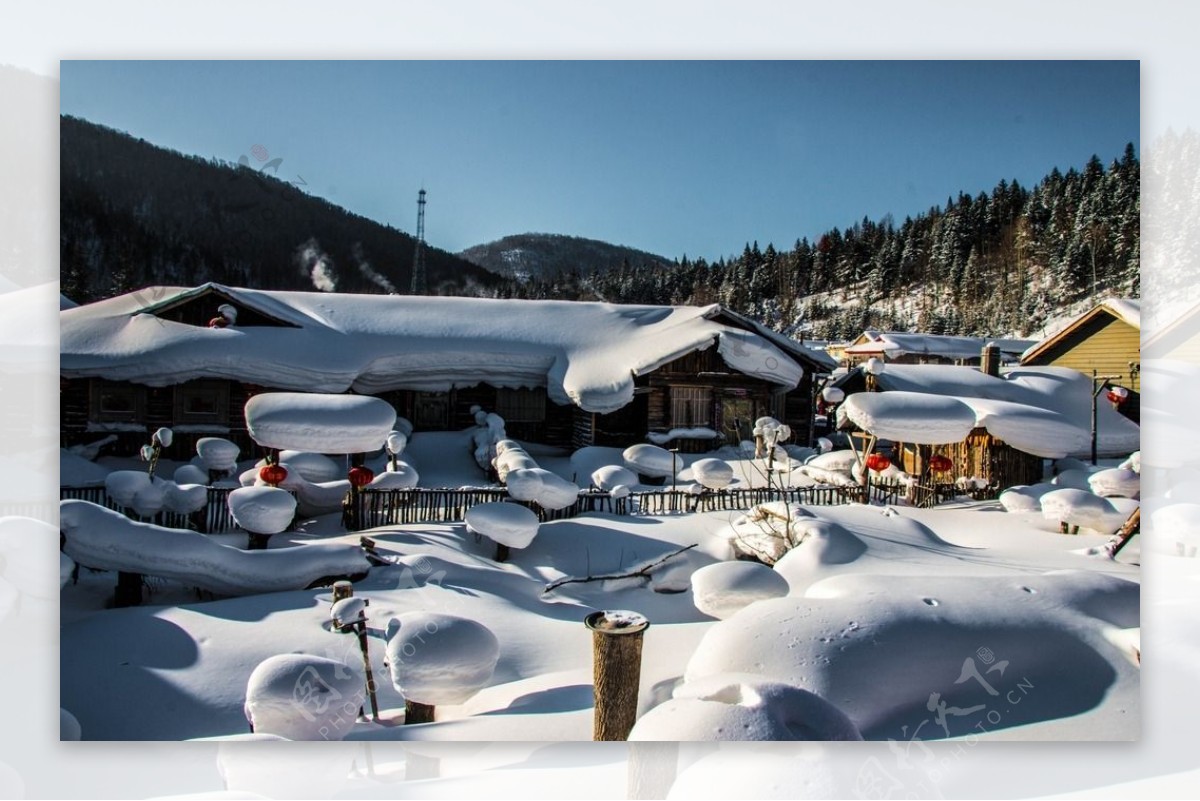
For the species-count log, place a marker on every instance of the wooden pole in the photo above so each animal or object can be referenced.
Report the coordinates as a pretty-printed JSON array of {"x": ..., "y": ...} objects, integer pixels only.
[
  {"x": 1132, "y": 526},
  {"x": 616, "y": 669},
  {"x": 360, "y": 628}
]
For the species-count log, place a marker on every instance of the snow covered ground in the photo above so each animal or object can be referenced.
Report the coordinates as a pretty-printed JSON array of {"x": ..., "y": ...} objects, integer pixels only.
[{"x": 959, "y": 621}]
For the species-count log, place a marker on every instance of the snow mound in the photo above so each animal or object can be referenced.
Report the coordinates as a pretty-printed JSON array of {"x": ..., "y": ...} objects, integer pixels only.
[
  {"x": 1134, "y": 462},
  {"x": 404, "y": 426},
  {"x": 768, "y": 530},
  {"x": 190, "y": 474},
  {"x": 315, "y": 467},
  {"x": 107, "y": 540},
  {"x": 505, "y": 523},
  {"x": 1025, "y": 498},
  {"x": 1077, "y": 507},
  {"x": 722, "y": 589},
  {"x": 123, "y": 485},
  {"x": 649, "y": 460},
  {"x": 1115, "y": 482},
  {"x": 712, "y": 473},
  {"x": 217, "y": 453},
  {"x": 822, "y": 543},
  {"x": 348, "y": 610},
  {"x": 319, "y": 422},
  {"x": 884, "y": 648},
  {"x": 262, "y": 510},
  {"x": 613, "y": 475},
  {"x": 401, "y": 475},
  {"x": 302, "y": 697},
  {"x": 438, "y": 659},
  {"x": 743, "y": 707},
  {"x": 76, "y": 471}
]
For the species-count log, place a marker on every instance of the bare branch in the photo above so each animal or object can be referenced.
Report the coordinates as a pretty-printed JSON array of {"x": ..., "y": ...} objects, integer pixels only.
[{"x": 643, "y": 572}]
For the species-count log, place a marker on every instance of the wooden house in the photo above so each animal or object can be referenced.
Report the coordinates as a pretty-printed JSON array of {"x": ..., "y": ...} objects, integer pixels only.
[
  {"x": 902, "y": 347},
  {"x": 1104, "y": 341},
  {"x": 569, "y": 374}
]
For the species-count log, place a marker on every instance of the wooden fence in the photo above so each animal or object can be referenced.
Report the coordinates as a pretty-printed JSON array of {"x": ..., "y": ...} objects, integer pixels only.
[{"x": 212, "y": 519}]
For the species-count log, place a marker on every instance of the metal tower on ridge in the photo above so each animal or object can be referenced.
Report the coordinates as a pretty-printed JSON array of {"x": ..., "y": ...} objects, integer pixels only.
[{"x": 419, "y": 281}]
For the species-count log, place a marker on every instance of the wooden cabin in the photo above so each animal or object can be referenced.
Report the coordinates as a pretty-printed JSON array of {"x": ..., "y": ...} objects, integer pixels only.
[
  {"x": 687, "y": 396},
  {"x": 1104, "y": 341},
  {"x": 979, "y": 455}
]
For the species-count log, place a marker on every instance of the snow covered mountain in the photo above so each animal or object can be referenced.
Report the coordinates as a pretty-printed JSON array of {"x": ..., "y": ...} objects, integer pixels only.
[{"x": 526, "y": 256}]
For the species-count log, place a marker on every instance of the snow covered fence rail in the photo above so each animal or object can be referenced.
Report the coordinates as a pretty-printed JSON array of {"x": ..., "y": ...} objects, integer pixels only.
[
  {"x": 424, "y": 505},
  {"x": 672, "y": 502}
]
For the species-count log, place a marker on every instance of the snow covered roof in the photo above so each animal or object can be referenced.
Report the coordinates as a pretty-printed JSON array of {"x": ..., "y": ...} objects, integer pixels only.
[
  {"x": 894, "y": 344},
  {"x": 1045, "y": 411},
  {"x": 1128, "y": 310},
  {"x": 583, "y": 353}
]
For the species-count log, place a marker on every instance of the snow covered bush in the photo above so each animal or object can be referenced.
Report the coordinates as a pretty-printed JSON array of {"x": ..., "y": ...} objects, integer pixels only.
[
  {"x": 548, "y": 490},
  {"x": 217, "y": 454},
  {"x": 1115, "y": 482},
  {"x": 1080, "y": 508},
  {"x": 262, "y": 511},
  {"x": 650, "y": 462},
  {"x": 400, "y": 475},
  {"x": 613, "y": 475},
  {"x": 1022, "y": 498},
  {"x": 190, "y": 474},
  {"x": 768, "y": 531},
  {"x": 1074, "y": 479},
  {"x": 438, "y": 659},
  {"x": 712, "y": 474},
  {"x": 514, "y": 458},
  {"x": 509, "y": 525},
  {"x": 722, "y": 589},
  {"x": 303, "y": 697}
]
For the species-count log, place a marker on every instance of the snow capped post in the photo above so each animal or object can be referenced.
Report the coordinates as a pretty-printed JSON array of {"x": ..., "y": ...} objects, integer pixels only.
[
  {"x": 350, "y": 614},
  {"x": 161, "y": 439},
  {"x": 873, "y": 368},
  {"x": 616, "y": 671},
  {"x": 1099, "y": 384}
]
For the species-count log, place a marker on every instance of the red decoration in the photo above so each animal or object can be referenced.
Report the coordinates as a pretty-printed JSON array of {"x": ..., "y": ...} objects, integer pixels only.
[
  {"x": 940, "y": 464},
  {"x": 361, "y": 476},
  {"x": 878, "y": 462},
  {"x": 273, "y": 474},
  {"x": 1118, "y": 395},
  {"x": 218, "y": 322}
]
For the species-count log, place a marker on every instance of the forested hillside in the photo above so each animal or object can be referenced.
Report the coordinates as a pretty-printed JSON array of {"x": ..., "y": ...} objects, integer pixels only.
[
  {"x": 996, "y": 262},
  {"x": 133, "y": 215}
]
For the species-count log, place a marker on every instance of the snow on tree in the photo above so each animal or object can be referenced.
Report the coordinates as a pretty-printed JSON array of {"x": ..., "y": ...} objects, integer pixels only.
[
  {"x": 1115, "y": 482},
  {"x": 1079, "y": 479},
  {"x": 1080, "y": 508},
  {"x": 509, "y": 525},
  {"x": 720, "y": 590},
  {"x": 546, "y": 489},
  {"x": 319, "y": 422},
  {"x": 1022, "y": 498},
  {"x": 712, "y": 474},
  {"x": 650, "y": 461},
  {"x": 400, "y": 475},
  {"x": 217, "y": 454},
  {"x": 743, "y": 707},
  {"x": 610, "y": 476},
  {"x": 262, "y": 511},
  {"x": 437, "y": 659},
  {"x": 190, "y": 474},
  {"x": 303, "y": 697}
]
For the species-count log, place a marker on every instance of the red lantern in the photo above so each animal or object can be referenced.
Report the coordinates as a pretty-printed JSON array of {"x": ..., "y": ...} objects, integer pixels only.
[
  {"x": 1117, "y": 395},
  {"x": 273, "y": 474},
  {"x": 940, "y": 464},
  {"x": 361, "y": 476},
  {"x": 878, "y": 462}
]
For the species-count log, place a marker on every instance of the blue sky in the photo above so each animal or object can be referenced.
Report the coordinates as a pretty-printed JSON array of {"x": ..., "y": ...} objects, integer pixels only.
[{"x": 667, "y": 156}]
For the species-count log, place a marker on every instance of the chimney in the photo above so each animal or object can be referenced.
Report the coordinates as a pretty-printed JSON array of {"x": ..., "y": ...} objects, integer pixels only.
[{"x": 989, "y": 360}]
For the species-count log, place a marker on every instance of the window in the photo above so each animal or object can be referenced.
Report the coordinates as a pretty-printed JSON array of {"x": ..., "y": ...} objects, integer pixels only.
[
  {"x": 117, "y": 402},
  {"x": 691, "y": 407},
  {"x": 521, "y": 405},
  {"x": 202, "y": 402}
]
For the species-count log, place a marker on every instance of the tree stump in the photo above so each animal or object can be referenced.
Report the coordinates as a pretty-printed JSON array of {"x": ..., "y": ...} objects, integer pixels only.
[
  {"x": 415, "y": 712},
  {"x": 617, "y": 668}
]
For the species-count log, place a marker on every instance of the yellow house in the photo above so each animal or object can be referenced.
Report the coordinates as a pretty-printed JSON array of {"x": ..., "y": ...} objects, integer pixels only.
[
  {"x": 1105, "y": 339},
  {"x": 1178, "y": 340}
]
